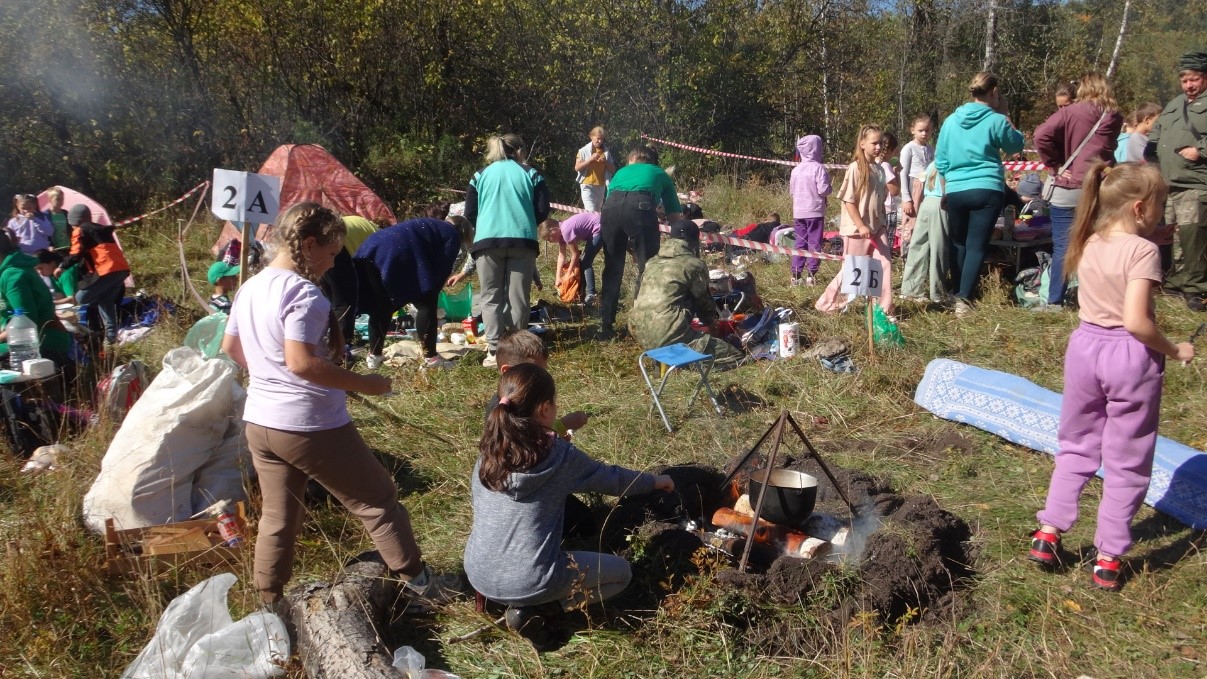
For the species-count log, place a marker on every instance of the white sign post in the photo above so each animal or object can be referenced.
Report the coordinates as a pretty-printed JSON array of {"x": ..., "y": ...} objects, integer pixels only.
[
  {"x": 245, "y": 198},
  {"x": 863, "y": 276}
]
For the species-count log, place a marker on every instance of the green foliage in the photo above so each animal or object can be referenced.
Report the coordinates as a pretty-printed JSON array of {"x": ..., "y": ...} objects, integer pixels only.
[{"x": 127, "y": 100}]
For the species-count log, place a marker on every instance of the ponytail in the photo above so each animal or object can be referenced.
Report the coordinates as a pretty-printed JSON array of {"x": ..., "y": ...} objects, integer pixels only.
[
  {"x": 513, "y": 441},
  {"x": 1107, "y": 196},
  {"x": 503, "y": 147}
]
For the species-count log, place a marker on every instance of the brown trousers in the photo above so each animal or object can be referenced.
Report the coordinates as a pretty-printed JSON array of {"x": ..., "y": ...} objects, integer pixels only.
[{"x": 341, "y": 462}]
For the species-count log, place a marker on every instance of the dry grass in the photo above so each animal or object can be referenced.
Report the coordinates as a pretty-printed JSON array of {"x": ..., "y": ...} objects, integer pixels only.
[{"x": 63, "y": 619}]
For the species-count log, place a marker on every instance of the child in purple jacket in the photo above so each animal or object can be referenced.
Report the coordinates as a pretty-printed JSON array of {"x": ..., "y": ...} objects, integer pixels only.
[{"x": 809, "y": 185}]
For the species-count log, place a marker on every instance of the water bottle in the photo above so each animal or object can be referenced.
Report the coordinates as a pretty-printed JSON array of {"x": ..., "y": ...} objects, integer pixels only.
[{"x": 22, "y": 339}]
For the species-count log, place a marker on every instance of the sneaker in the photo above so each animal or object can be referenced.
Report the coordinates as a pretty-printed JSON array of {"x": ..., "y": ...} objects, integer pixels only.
[
  {"x": 436, "y": 363},
  {"x": 1196, "y": 303},
  {"x": 1045, "y": 548},
  {"x": 1106, "y": 574},
  {"x": 491, "y": 360},
  {"x": 810, "y": 281},
  {"x": 434, "y": 590},
  {"x": 374, "y": 361},
  {"x": 796, "y": 281},
  {"x": 590, "y": 299},
  {"x": 962, "y": 307}
]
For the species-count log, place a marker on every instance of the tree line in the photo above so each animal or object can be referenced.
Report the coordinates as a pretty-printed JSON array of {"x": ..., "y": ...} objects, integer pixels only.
[{"x": 135, "y": 100}]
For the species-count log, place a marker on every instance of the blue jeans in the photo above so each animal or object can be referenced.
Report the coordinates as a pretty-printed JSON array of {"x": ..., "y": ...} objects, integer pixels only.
[
  {"x": 591, "y": 249},
  {"x": 103, "y": 294},
  {"x": 1062, "y": 221}
]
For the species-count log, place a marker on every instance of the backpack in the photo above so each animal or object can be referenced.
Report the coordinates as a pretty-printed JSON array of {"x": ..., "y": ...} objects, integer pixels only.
[
  {"x": 1031, "y": 285},
  {"x": 117, "y": 391},
  {"x": 28, "y": 423}
]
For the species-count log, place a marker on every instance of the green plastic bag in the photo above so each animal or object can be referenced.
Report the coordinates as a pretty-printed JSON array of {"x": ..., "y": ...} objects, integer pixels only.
[
  {"x": 459, "y": 305},
  {"x": 206, "y": 335},
  {"x": 885, "y": 331}
]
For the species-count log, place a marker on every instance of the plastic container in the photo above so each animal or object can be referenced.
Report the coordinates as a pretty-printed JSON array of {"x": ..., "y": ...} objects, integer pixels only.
[
  {"x": 22, "y": 339},
  {"x": 788, "y": 336}
]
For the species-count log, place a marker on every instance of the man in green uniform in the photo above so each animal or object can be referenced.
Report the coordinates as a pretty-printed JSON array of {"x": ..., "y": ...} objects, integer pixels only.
[
  {"x": 674, "y": 290},
  {"x": 1178, "y": 143}
]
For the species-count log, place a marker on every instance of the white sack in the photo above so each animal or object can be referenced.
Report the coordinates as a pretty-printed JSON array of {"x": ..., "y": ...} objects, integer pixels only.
[{"x": 178, "y": 450}]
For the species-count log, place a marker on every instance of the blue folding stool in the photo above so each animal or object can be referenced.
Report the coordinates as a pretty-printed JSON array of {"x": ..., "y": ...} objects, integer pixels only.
[{"x": 673, "y": 357}]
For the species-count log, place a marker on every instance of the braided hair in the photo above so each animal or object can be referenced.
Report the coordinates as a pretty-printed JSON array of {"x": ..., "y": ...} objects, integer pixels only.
[{"x": 293, "y": 227}]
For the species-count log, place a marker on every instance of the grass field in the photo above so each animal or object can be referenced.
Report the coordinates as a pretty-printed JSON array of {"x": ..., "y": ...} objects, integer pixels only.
[{"x": 62, "y": 618}]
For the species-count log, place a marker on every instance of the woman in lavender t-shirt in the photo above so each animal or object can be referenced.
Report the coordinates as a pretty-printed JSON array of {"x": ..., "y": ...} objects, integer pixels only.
[{"x": 281, "y": 330}]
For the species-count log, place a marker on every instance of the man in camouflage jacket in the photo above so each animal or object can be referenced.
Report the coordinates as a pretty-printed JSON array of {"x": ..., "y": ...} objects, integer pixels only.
[{"x": 674, "y": 289}]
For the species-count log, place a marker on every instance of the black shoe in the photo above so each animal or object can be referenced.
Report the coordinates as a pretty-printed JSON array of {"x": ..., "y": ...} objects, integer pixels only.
[
  {"x": 1196, "y": 303},
  {"x": 532, "y": 623}
]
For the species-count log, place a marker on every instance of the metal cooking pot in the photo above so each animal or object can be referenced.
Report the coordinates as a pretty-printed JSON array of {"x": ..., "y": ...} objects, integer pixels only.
[{"x": 791, "y": 496}]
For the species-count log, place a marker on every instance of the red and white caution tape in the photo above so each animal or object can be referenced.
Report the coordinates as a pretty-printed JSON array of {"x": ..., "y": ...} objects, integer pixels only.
[
  {"x": 721, "y": 238},
  {"x": 1021, "y": 165},
  {"x": 755, "y": 245},
  {"x": 723, "y": 154},
  {"x": 174, "y": 203},
  {"x": 567, "y": 208},
  {"x": 1012, "y": 165}
]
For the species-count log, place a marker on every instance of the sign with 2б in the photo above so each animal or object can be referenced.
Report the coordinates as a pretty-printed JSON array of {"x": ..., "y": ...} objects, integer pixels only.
[
  {"x": 245, "y": 197},
  {"x": 862, "y": 276}
]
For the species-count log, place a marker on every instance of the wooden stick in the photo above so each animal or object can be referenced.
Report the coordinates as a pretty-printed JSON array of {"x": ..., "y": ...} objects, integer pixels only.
[
  {"x": 245, "y": 245},
  {"x": 871, "y": 341},
  {"x": 479, "y": 632},
  {"x": 758, "y": 507},
  {"x": 822, "y": 463}
]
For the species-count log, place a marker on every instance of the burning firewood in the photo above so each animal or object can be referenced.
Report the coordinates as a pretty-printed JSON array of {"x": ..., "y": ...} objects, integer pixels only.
[{"x": 791, "y": 542}]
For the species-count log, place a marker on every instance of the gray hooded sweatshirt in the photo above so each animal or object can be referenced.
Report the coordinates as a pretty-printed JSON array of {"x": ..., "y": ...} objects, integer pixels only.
[{"x": 514, "y": 554}]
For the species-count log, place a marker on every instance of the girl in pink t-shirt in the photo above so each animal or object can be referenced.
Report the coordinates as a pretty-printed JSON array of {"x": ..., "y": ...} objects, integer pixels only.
[
  {"x": 1114, "y": 365},
  {"x": 282, "y": 332},
  {"x": 863, "y": 224}
]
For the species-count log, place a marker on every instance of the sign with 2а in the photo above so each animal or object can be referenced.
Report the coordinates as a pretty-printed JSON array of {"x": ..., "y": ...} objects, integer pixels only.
[
  {"x": 245, "y": 196},
  {"x": 862, "y": 276}
]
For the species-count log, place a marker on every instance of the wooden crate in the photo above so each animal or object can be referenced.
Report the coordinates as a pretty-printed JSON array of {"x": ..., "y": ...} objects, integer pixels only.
[{"x": 154, "y": 549}]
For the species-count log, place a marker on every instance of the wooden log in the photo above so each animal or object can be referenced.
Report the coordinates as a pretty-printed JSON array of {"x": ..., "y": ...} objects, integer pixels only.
[{"x": 339, "y": 625}]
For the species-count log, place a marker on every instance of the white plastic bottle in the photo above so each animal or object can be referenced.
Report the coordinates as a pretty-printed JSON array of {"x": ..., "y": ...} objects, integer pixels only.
[{"x": 22, "y": 339}]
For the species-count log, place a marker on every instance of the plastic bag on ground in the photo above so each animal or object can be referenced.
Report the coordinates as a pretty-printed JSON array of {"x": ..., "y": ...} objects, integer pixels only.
[
  {"x": 410, "y": 663},
  {"x": 885, "y": 331},
  {"x": 197, "y": 639}
]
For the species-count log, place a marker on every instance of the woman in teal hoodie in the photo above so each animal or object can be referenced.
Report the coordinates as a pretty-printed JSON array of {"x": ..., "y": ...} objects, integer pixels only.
[
  {"x": 968, "y": 156},
  {"x": 22, "y": 288}
]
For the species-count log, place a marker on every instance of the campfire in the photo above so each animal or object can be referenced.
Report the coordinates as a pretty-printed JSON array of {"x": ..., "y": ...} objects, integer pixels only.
[{"x": 775, "y": 516}]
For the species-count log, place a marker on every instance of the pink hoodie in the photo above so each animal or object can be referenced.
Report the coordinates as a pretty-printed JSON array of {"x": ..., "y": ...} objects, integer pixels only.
[{"x": 810, "y": 182}]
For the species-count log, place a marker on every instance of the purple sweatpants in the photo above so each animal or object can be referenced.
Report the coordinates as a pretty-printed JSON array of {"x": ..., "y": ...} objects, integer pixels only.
[
  {"x": 1112, "y": 400},
  {"x": 808, "y": 237}
]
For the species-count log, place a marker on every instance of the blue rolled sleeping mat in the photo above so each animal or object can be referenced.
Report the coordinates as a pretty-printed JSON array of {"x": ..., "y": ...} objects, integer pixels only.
[{"x": 1025, "y": 413}]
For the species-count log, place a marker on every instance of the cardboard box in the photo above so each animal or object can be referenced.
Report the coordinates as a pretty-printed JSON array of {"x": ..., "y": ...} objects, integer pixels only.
[{"x": 154, "y": 549}]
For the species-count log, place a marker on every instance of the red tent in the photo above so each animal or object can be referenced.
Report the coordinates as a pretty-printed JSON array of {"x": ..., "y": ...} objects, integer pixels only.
[{"x": 309, "y": 173}]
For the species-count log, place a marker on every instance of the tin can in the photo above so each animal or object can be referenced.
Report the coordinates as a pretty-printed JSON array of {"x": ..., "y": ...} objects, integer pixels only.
[
  {"x": 788, "y": 335},
  {"x": 467, "y": 325},
  {"x": 228, "y": 525}
]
